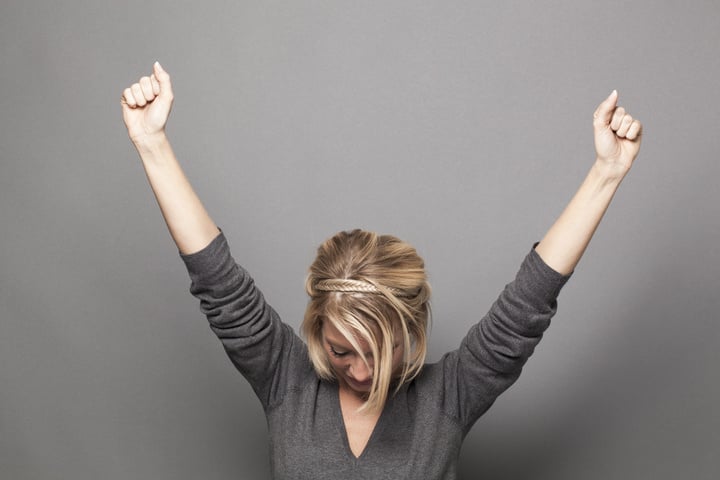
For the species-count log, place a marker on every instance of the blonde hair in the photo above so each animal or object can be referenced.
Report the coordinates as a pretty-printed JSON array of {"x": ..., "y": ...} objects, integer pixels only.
[{"x": 371, "y": 287}]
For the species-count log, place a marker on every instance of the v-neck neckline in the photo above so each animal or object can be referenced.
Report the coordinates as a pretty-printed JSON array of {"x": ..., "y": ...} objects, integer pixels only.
[{"x": 340, "y": 419}]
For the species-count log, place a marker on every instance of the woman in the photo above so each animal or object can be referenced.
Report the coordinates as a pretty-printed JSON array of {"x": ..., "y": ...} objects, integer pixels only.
[{"x": 358, "y": 401}]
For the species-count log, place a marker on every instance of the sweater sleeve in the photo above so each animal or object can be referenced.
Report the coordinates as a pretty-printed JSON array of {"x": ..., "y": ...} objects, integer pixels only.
[
  {"x": 492, "y": 354},
  {"x": 266, "y": 351}
]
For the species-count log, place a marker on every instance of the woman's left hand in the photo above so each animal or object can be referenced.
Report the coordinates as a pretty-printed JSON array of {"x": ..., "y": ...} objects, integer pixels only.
[{"x": 617, "y": 137}]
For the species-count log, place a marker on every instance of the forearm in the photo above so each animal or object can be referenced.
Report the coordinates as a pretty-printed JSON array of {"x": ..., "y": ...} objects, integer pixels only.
[
  {"x": 565, "y": 242},
  {"x": 187, "y": 220}
]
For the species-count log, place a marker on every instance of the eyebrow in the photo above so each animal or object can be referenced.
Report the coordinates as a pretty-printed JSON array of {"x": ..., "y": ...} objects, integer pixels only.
[
  {"x": 339, "y": 345},
  {"x": 333, "y": 339}
]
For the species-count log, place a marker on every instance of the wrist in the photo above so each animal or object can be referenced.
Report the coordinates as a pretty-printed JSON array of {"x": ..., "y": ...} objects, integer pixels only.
[
  {"x": 608, "y": 173},
  {"x": 149, "y": 143}
]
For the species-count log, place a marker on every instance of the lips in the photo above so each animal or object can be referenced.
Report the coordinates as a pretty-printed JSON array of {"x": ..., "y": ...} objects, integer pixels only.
[{"x": 365, "y": 384}]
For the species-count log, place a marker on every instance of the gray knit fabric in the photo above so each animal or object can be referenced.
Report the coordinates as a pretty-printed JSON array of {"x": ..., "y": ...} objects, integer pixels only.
[{"x": 421, "y": 428}]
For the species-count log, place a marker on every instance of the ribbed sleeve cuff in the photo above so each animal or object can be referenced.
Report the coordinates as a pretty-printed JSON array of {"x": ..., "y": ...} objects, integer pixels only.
[
  {"x": 546, "y": 282},
  {"x": 207, "y": 264}
]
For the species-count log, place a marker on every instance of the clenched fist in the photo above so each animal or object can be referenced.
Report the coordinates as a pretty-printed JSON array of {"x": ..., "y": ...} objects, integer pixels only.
[
  {"x": 146, "y": 105},
  {"x": 617, "y": 136}
]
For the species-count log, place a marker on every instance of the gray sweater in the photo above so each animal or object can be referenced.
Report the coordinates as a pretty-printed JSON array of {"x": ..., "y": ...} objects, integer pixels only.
[{"x": 421, "y": 428}]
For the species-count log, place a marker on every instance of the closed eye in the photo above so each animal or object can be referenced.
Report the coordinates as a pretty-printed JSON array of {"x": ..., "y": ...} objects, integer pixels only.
[{"x": 336, "y": 353}]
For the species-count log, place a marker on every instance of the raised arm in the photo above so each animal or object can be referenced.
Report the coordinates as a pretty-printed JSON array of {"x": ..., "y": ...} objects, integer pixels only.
[
  {"x": 146, "y": 106},
  {"x": 617, "y": 142}
]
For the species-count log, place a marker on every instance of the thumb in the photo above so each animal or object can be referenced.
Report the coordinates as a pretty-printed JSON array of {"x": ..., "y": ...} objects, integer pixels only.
[
  {"x": 603, "y": 113},
  {"x": 163, "y": 79}
]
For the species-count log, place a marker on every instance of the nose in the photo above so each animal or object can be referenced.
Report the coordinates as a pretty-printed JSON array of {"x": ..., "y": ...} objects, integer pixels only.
[{"x": 359, "y": 371}]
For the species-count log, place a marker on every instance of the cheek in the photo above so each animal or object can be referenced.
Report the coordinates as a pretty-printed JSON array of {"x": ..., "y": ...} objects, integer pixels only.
[{"x": 336, "y": 363}]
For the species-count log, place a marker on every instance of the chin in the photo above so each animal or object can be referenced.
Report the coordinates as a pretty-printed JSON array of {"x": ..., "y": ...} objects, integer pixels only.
[{"x": 358, "y": 387}]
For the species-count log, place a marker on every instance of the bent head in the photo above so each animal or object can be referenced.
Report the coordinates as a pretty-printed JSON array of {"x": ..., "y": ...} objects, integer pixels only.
[{"x": 366, "y": 321}]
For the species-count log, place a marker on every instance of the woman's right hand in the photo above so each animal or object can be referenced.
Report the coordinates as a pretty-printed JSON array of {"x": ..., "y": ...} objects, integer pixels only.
[{"x": 146, "y": 106}]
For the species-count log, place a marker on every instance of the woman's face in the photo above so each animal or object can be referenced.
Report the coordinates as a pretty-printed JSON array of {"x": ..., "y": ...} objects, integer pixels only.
[{"x": 348, "y": 364}]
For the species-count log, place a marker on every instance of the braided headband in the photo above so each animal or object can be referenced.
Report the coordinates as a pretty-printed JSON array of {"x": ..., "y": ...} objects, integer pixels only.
[{"x": 356, "y": 286}]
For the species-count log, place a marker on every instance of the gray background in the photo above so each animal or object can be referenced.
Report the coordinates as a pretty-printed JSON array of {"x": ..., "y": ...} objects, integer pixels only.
[{"x": 462, "y": 127}]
